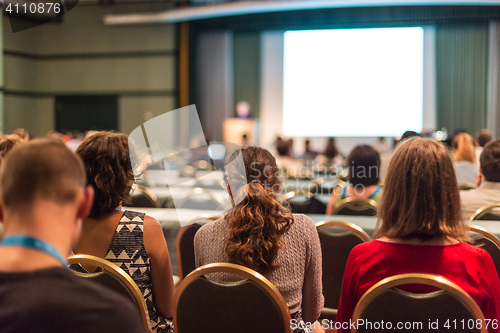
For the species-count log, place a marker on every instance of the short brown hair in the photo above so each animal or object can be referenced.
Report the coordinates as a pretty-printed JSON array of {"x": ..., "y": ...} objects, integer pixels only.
[
  {"x": 421, "y": 198},
  {"x": 7, "y": 142},
  {"x": 109, "y": 171},
  {"x": 483, "y": 137},
  {"x": 40, "y": 169},
  {"x": 490, "y": 161}
]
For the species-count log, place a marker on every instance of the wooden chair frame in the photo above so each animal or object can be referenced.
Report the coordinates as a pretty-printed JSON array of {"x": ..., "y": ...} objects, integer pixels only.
[
  {"x": 142, "y": 189},
  {"x": 181, "y": 233},
  {"x": 482, "y": 211},
  {"x": 120, "y": 274},
  {"x": 355, "y": 229},
  {"x": 485, "y": 233},
  {"x": 427, "y": 279},
  {"x": 352, "y": 201},
  {"x": 246, "y": 273}
]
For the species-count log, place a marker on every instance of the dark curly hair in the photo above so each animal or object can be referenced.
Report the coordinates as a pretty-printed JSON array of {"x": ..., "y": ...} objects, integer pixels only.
[{"x": 109, "y": 170}]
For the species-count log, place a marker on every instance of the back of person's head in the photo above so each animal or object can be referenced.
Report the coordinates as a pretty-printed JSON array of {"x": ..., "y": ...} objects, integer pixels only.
[
  {"x": 259, "y": 218},
  {"x": 40, "y": 170},
  {"x": 363, "y": 166},
  {"x": 463, "y": 146},
  {"x": 7, "y": 142},
  {"x": 409, "y": 134},
  {"x": 490, "y": 161},
  {"x": 421, "y": 198},
  {"x": 109, "y": 170},
  {"x": 483, "y": 137}
]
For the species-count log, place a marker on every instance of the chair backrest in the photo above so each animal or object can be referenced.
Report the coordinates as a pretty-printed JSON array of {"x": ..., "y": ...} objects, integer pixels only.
[
  {"x": 251, "y": 305},
  {"x": 488, "y": 242},
  {"x": 142, "y": 197},
  {"x": 185, "y": 244},
  {"x": 466, "y": 187},
  {"x": 200, "y": 198},
  {"x": 491, "y": 212},
  {"x": 115, "y": 278},
  {"x": 355, "y": 206},
  {"x": 384, "y": 302},
  {"x": 336, "y": 244}
]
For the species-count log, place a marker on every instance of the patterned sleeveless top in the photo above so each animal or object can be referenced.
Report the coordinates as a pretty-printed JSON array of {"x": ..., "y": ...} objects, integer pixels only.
[{"x": 127, "y": 251}]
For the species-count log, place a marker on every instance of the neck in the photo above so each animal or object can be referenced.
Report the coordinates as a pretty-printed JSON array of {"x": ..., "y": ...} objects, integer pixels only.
[
  {"x": 44, "y": 220},
  {"x": 445, "y": 240}
]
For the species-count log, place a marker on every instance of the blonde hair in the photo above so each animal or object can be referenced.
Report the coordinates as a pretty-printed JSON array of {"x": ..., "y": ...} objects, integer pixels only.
[{"x": 463, "y": 146}]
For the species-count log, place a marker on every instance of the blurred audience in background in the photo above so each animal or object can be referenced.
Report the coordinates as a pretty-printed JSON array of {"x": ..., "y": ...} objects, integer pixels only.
[
  {"x": 465, "y": 159},
  {"x": 483, "y": 137},
  {"x": 488, "y": 181}
]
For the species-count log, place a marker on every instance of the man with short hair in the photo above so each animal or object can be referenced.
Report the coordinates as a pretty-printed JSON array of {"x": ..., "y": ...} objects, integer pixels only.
[
  {"x": 43, "y": 199},
  {"x": 483, "y": 138},
  {"x": 488, "y": 191}
]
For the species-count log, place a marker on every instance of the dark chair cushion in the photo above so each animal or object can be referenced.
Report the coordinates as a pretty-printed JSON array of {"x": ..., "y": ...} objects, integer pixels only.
[{"x": 186, "y": 248}]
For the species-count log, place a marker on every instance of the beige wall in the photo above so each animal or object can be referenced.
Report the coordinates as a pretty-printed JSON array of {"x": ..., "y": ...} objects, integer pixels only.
[{"x": 101, "y": 63}]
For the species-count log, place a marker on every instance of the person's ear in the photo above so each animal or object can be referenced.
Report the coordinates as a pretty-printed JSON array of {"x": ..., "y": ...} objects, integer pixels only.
[{"x": 86, "y": 203}]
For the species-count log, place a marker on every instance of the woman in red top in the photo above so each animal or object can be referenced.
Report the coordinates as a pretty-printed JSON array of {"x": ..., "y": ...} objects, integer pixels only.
[{"x": 420, "y": 230}]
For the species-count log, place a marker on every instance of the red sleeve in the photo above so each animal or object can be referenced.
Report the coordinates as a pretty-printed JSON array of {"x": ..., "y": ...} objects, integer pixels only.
[
  {"x": 490, "y": 283},
  {"x": 348, "y": 295}
]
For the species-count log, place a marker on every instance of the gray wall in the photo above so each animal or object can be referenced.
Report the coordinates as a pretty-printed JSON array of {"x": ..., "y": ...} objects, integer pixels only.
[{"x": 83, "y": 56}]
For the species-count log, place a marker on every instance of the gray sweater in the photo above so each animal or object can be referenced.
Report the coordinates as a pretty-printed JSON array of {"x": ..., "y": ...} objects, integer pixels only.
[{"x": 298, "y": 277}]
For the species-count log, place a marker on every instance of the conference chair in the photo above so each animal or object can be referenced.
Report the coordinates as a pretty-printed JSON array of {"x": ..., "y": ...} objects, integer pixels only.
[
  {"x": 326, "y": 185},
  {"x": 142, "y": 197},
  {"x": 303, "y": 202},
  {"x": 491, "y": 212},
  {"x": 337, "y": 239},
  {"x": 185, "y": 244},
  {"x": 112, "y": 276},
  {"x": 385, "y": 302},
  {"x": 466, "y": 187},
  {"x": 488, "y": 242},
  {"x": 199, "y": 198},
  {"x": 249, "y": 304},
  {"x": 356, "y": 207}
]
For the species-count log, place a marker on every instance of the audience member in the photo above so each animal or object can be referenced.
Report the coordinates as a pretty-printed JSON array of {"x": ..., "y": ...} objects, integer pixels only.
[
  {"x": 420, "y": 229},
  {"x": 22, "y": 133},
  {"x": 43, "y": 201},
  {"x": 262, "y": 234},
  {"x": 331, "y": 151},
  {"x": 76, "y": 139},
  {"x": 281, "y": 146},
  {"x": 7, "y": 142},
  {"x": 290, "y": 151},
  {"x": 363, "y": 165},
  {"x": 309, "y": 153},
  {"x": 483, "y": 137},
  {"x": 465, "y": 159},
  {"x": 54, "y": 135},
  {"x": 488, "y": 182},
  {"x": 131, "y": 240},
  {"x": 409, "y": 134}
]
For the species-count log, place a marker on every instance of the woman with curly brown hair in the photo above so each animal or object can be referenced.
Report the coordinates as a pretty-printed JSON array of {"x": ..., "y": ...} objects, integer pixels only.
[
  {"x": 262, "y": 234},
  {"x": 131, "y": 240}
]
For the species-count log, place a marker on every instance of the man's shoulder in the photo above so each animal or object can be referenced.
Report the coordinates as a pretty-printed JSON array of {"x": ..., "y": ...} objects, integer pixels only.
[{"x": 58, "y": 297}]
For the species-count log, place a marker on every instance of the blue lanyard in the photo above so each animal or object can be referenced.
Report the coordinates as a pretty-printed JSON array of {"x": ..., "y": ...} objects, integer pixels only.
[{"x": 34, "y": 243}]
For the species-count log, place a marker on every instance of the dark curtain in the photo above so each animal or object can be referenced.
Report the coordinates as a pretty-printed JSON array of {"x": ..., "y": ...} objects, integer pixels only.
[
  {"x": 461, "y": 76},
  {"x": 247, "y": 65}
]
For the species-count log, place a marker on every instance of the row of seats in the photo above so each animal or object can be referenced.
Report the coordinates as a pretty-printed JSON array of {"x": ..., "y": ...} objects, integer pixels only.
[{"x": 237, "y": 305}]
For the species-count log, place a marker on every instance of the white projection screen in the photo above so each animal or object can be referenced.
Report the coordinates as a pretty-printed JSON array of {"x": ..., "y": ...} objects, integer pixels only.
[{"x": 353, "y": 82}]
